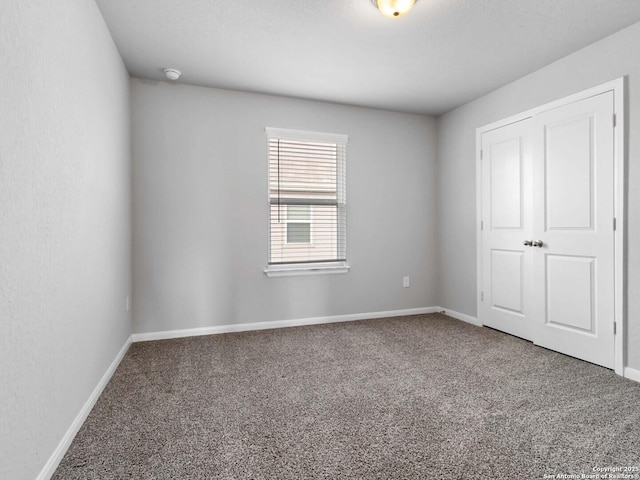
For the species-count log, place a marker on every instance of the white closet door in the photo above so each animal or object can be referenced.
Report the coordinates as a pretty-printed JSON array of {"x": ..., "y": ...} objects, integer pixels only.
[
  {"x": 507, "y": 217},
  {"x": 573, "y": 211}
]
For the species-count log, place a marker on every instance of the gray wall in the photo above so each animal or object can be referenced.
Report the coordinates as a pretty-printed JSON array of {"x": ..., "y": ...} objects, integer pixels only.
[
  {"x": 65, "y": 235},
  {"x": 200, "y": 204},
  {"x": 606, "y": 60}
]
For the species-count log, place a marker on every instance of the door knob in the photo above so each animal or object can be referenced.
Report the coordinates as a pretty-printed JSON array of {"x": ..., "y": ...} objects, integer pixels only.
[
  {"x": 537, "y": 243},
  {"x": 527, "y": 243}
]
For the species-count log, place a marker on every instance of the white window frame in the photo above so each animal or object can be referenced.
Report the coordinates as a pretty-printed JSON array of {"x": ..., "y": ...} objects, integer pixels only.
[{"x": 319, "y": 268}]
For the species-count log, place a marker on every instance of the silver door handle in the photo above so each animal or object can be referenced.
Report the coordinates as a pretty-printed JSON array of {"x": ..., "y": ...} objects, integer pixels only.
[
  {"x": 527, "y": 243},
  {"x": 537, "y": 243}
]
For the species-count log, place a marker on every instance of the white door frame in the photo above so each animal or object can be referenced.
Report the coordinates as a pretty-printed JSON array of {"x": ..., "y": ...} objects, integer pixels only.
[{"x": 618, "y": 88}]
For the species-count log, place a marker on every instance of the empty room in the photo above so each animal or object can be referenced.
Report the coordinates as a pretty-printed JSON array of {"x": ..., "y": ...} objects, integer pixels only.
[{"x": 364, "y": 239}]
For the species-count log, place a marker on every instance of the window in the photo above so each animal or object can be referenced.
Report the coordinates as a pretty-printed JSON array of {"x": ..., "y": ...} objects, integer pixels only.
[
  {"x": 307, "y": 202},
  {"x": 298, "y": 223}
]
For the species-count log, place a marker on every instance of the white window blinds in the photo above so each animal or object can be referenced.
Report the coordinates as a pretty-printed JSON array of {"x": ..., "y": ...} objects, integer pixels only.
[{"x": 307, "y": 197}]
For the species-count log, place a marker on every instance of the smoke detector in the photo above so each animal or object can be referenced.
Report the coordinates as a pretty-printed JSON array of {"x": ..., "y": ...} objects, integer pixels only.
[{"x": 172, "y": 73}]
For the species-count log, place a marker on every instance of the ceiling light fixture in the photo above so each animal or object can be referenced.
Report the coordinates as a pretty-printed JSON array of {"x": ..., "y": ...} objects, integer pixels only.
[
  {"x": 172, "y": 73},
  {"x": 393, "y": 8}
]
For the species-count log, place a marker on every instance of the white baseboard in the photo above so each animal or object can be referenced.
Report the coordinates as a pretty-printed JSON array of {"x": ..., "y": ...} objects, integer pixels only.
[
  {"x": 632, "y": 374},
  {"x": 54, "y": 460},
  {"x": 244, "y": 327},
  {"x": 460, "y": 316}
]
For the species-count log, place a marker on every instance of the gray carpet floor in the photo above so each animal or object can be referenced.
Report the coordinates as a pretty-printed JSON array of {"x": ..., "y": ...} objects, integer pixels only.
[{"x": 424, "y": 396}]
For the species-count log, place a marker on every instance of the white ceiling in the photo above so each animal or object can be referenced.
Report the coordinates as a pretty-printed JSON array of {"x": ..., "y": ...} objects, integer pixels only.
[{"x": 441, "y": 55}]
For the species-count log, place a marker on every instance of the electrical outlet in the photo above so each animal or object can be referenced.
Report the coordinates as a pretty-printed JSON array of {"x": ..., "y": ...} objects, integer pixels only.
[
  {"x": 127, "y": 303},
  {"x": 406, "y": 282}
]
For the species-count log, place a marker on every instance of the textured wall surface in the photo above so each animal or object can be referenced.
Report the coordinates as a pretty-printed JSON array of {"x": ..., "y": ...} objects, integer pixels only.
[
  {"x": 200, "y": 204},
  {"x": 65, "y": 234},
  {"x": 611, "y": 58}
]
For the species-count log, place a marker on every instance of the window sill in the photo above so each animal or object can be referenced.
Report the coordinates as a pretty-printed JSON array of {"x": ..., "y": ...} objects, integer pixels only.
[{"x": 306, "y": 269}]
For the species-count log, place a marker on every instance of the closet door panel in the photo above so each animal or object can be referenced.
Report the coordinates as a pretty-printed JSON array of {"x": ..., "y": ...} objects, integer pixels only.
[
  {"x": 573, "y": 210},
  {"x": 506, "y": 206}
]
